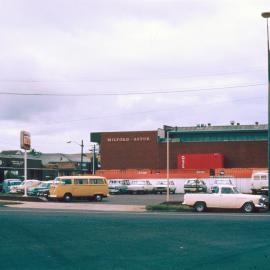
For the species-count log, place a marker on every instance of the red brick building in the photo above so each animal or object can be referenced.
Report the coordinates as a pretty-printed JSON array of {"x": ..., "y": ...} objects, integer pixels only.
[{"x": 243, "y": 146}]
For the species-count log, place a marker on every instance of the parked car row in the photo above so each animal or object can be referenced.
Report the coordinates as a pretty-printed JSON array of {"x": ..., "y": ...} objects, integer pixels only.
[
  {"x": 121, "y": 186},
  {"x": 32, "y": 186},
  {"x": 116, "y": 186},
  {"x": 198, "y": 185},
  {"x": 9, "y": 183},
  {"x": 62, "y": 188},
  {"x": 18, "y": 186}
]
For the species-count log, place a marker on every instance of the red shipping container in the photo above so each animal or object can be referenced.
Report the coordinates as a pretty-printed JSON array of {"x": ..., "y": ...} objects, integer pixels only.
[{"x": 201, "y": 161}]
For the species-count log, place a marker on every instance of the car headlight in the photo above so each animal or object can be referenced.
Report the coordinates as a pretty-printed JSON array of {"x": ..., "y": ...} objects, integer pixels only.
[{"x": 262, "y": 201}]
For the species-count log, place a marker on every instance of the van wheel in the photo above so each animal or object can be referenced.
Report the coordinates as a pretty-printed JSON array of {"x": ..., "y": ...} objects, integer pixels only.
[
  {"x": 248, "y": 207},
  {"x": 200, "y": 207},
  {"x": 67, "y": 197},
  {"x": 98, "y": 198}
]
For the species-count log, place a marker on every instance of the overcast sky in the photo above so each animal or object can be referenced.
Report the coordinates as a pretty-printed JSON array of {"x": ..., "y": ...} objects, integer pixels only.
[{"x": 128, "y": 65}]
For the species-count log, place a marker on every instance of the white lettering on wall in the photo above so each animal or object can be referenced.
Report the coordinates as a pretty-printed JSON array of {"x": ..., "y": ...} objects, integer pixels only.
[{"x": 129, "y": 139}]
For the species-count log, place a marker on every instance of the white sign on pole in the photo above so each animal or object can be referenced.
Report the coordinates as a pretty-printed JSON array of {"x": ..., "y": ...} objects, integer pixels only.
[{"x": 25, "y": 140}]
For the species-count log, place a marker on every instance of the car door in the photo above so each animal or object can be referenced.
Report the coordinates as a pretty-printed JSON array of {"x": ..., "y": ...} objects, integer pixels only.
[
  {"x": 81, "y": 187},
  {"x": 227, "y": 198},
  {"x": 213, "y": 200}
]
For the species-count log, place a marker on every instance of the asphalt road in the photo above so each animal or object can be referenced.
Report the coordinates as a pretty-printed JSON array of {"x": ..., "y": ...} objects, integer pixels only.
[{"x": 44, "y": 239}]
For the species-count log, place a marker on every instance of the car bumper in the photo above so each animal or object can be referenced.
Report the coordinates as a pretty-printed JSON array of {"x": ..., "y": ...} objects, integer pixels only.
[
  {"x": 261, "y": 206},
  {"x": 31, "y": 194}
]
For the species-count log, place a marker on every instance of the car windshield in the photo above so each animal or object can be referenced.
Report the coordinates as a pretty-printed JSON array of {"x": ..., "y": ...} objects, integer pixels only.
[
  {"x": 165, "y": 183},
  {"x": 44, "y": 185},
  {"x": 162, "y": 183},
  {"x": 15, "y": 183},
  {"x": 223, "y": 182},
  {"x": 194, "y": 182},
  {"x": 138, "y": 182}
]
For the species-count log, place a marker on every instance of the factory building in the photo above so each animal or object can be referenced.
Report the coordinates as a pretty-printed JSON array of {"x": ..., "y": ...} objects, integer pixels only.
[{"x": 198, "y": 147}]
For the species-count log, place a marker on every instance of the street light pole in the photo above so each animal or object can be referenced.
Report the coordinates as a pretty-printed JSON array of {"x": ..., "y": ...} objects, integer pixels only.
[
  {"x": 93, "y": 158},
  {"x": 267, "y": 16},
  {"x": 168, "y": 166},
  {"x": 81, "y": 145},
  {"x": 82, "y": 157}
]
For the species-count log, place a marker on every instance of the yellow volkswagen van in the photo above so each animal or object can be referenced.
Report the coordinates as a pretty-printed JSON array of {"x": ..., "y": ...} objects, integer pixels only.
[{"x": 69, "y": 187}]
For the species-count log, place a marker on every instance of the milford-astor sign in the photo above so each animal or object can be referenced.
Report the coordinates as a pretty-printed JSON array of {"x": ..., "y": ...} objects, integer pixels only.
[{"x": 129, "y": 139}]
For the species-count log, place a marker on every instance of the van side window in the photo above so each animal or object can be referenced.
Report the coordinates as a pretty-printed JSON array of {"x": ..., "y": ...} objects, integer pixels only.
[
  {"x": 263, "y": 177},
  {"x": 256, "y": 177},
  {"x": 67, "y": 181},
  {"x": 96, "y": 181},
  {"x": 80, "y": 181}
]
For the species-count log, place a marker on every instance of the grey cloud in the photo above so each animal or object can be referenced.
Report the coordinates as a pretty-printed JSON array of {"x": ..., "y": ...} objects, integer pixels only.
[{"x": 66, "y": 46}]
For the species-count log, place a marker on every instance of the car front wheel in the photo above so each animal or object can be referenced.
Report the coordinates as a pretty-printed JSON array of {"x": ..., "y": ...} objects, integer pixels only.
[
  {"x": 67, "y": 197},
  {"x": 248, "y": 207},
  {"x": 200, "y": 207},
  {"x": 98, "y": 198}
]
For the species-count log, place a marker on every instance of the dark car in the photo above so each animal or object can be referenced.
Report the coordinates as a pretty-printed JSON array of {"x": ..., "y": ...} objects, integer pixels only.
[
  {"x": 195, "y": 185},
  {"x": 41, "y": 190}
]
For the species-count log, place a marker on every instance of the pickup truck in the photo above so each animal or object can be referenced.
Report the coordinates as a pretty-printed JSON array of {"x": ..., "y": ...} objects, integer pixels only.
[{"x": 225, "y": 196}]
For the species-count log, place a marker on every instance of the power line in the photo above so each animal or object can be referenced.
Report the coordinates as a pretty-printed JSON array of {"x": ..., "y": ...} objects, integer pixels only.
[
  {"x": 146, "y": 111},
  {"x": 86, "y": 80},
  {"x": 65, "y": 123},
  {"x": 168, "y": 91}
]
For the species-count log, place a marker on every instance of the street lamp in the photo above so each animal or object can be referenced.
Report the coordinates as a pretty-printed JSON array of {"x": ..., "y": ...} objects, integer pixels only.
[
  {"x": 168, "y": 161},
  {"x": 168, "y": 166},
  {"x": 93, "y": 159},
  {"x": 81, "y": 145},
  {"x": 266, "y": 15}
]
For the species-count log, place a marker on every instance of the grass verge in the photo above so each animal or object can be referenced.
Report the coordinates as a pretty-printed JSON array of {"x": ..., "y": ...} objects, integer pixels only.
[{"x": 169, "y": 207}]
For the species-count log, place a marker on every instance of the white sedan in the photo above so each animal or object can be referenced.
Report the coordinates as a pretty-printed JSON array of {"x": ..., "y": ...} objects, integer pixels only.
[
  {"x": 140, "y": 186},
  {"x": 225, "y": 196}
]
